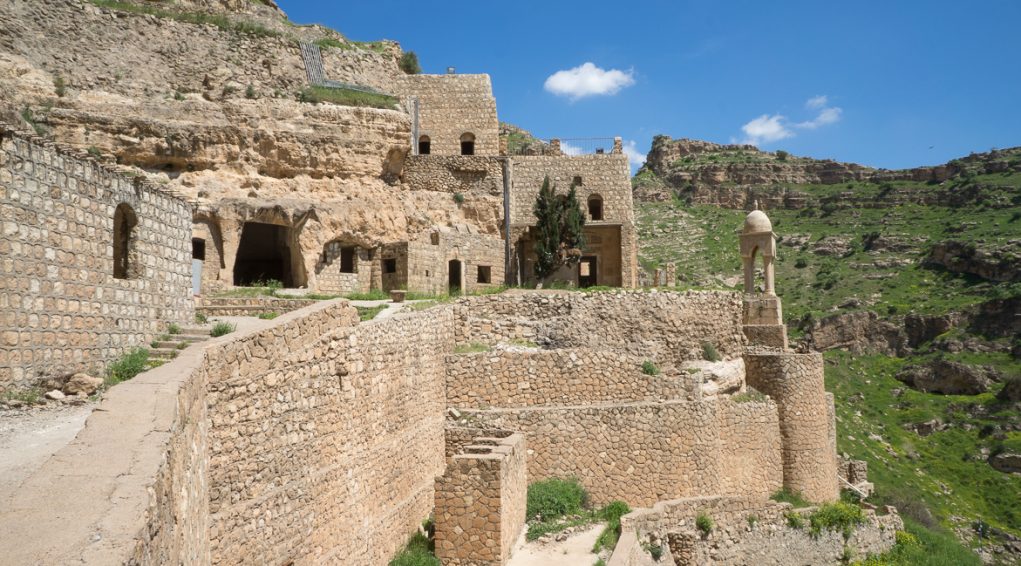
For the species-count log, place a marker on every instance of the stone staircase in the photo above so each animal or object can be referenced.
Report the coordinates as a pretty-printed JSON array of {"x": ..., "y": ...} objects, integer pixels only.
[{"x": 167, "y": 346}]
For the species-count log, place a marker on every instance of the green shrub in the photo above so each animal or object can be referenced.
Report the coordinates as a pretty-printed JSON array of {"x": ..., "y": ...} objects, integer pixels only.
[
  {"x": 268, "y": 315},
  {"x": 709, "y": 352},
  {"x": 331, "y": 42},
  {"x": 94, "y": 151},
  {"x": 346, "y": 97},
  {"x": 752, "y": 519},
  {"x": 178, "y": 95},
  {"x": 704, "y": 523},
  {"x": 250, "y": 92},
  {"x": 221, "y": 328},
  {"x": 649, "y": 368},
  {"x": 612, "y": 513},
  {"x": 127, "y": 366},
  {"x": 801, "y": 263},
  {"x": 409, "y": 63},
  {"x": 458, "y": 198},
  {"x": 838, "y": 516},
  {"x": 555, "y": 498},
  {"x": 790, "y": 496},
  {"x": 173, "y": 328},
  {"x": 782, "y": 155},
  {"x": 373, "y": 295},
  {"x": 200, "y": 318},
  {"x": 795, "y": 520}
]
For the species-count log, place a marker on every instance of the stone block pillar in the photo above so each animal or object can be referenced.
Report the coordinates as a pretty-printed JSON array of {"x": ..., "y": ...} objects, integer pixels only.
[
  {"x": 763, "y": 321},
  {"x": 480, "y": 502},
  {"x": 795, "y": 382}
]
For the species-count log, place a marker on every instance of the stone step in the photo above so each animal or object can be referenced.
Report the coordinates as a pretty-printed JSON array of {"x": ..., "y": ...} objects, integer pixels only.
[{"x": 163, "y": 353}]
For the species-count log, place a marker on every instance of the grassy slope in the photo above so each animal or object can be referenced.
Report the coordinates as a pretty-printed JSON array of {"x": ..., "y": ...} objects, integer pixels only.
[{"x": 945, "y": 471}]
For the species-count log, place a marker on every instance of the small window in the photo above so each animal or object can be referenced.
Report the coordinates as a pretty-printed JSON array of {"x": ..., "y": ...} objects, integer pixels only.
[
  {"x": 577, "y": 181},
  {"x": 124, "y": 222},
  {"x": 347, "y": 260},
  {"x": 424, "y": 145},
  {"x": 595, "y": 207},
  {"x": 485, "y": 274},
  {"x": 390, "y": 265},
  {"x": 198, "y": 249},
  {"x": 427, "y": 273},
  {"x": 435, "y": 238},
  {"x": 468, "y": 144}
]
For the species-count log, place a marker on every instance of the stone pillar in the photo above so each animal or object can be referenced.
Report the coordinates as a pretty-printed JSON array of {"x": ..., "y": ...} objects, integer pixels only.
[
  {"x": 480, "y": 502},
  {"x": 554, "y": 148},
  {"x": 618, "y": 145},
  {"x": 795, "y": 383},
  {"x": 763, "y": 321},
  {"x": 376, "y": 270}
]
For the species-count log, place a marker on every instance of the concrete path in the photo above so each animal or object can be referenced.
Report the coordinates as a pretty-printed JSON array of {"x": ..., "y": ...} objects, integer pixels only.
[
  {"x": 575, "y": 551},
  {"x": 28, "y": 438}
]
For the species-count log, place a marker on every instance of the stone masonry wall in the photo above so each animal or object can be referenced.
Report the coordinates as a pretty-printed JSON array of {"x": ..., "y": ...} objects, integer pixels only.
[
  {"x": 480, "y": 502},
  {"x": 468, "y": 175},
  {"x": 795, "y": 382},
  {"x": 667, "y": 328},
  {"x": 606, "y": 175},
  {"x": 61, "y": 309},
  {"x": 326, "y": 437},
  {"x": 526, "y": 377},
  {"x": 452, "y": 105},
  {"x": 675, "y": 447},
  {"x": 745, "y": 531}
]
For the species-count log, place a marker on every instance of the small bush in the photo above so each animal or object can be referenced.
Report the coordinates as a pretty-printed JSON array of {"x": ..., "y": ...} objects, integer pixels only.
[
  {"x": 649, "y": 368},
  {"x": 268, "y": 315},
  {"x": 795, "y": 520},
  {"x": 200, "y": 318},
  {"x": 839, "y": 516},
  {"x": 173, "y": 328},
  {"x": 704, "y": 523},
  {"x": 654, "y": 550},
  {"x": 789, "y": 496},
  {"x": 221, "y": 328},
  {"x": 801, "y": 263},
  {"x": 782, "y": 155},
  {"x": 94, "y": 151},
  {"x": 555, "y": 498},
  {"x": 752, "y": 519},
  {"x": 458, "y": 198},
  {"x": 709, "y": 352},
  {"x": 409, "y": 63},
  {"x": 178, "y": 95},
  {"x": 127, "y": 366},
  {"x": 250, "y": 92}
]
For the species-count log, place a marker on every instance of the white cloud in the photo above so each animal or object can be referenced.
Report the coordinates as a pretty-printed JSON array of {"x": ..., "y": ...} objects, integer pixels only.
[
  {"x": 570, "y": 149},
  {"x": 766, "y": 129},
  {"x": 588, "y": 80},
  {"x": 634, "y": 157},
  {"x": 817, "y": 101}
]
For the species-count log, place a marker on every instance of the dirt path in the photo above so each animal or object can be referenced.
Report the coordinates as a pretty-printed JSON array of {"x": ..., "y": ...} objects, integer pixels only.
[
  {"x": 29, "y": 438},
  {"x": 575, "y": 551}
]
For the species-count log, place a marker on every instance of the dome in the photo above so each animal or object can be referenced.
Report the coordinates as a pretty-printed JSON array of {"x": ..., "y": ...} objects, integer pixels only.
[{"x": 756, "y": 222}]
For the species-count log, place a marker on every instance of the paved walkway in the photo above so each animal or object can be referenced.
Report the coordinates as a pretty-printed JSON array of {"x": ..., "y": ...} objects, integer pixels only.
[
  {"x": 29, "y": 437},
  {"x": 575, "y": 551}
]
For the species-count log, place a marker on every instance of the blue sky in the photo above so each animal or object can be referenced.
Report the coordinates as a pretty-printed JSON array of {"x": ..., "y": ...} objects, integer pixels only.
[{"x": 889, "y": 84}]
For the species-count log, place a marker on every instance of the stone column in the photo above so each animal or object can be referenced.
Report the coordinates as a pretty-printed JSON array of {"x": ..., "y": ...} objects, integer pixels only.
[{"x": 795, "y": 382}]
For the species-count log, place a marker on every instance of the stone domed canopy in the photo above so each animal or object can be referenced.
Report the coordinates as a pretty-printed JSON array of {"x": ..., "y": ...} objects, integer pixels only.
[{"x": 757, "y": 222}]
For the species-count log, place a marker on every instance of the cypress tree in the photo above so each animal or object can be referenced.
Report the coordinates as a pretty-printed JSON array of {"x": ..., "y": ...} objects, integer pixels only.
[{"x": 559, "y": 229}]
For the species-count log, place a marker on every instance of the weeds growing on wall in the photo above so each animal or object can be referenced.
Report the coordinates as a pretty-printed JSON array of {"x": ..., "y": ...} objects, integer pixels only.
[
  {"x": 649, "y": 368},
  {"x": 221, "y": 328},
  {"x": 611, "y": 513},
  {"x": 409, "y": 63},
  {"x": 127, "y": 366},
  {"x": 709, "y": 352},
  {"x": 369, "y": 313},
  {"x": 346, "y": 97},
  {"x": 790, "y": 496},
  {"x": 418, "y": 552},
  {"x": 837, "y": 516},
  {"x": 704, "y": 523}
]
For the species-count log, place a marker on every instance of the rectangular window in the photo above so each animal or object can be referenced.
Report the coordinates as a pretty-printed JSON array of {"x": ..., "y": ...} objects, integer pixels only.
[
  {"x": 389, "y": 266},
  {"x": 198, "y": 249},
  {"x": 347, "y": 260},
  {"x": 485, "y": 273}
]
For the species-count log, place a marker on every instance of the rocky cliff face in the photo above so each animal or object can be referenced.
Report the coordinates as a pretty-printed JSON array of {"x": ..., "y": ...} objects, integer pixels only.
[
  {"x": 203, "y": 96},
  {"x": 737, "y": 176}
]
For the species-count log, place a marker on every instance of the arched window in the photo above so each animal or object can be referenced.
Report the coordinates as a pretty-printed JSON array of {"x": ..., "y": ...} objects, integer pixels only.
[
  {"x": 124, "y": 222},
  {"x": 467, "y": 143},
  {"x": 424, "y": 147},
  {"x": 595, "y": 207}
]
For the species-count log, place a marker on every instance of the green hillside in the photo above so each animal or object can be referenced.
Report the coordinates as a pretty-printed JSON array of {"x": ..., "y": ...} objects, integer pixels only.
[{"x": 867, "y": 246}]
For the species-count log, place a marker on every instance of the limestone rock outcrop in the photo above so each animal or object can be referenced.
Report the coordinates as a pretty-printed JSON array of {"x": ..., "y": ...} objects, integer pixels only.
[{"x": 949, "y": 377}]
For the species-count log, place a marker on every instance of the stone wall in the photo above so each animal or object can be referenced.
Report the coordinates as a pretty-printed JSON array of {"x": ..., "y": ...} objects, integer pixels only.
[
  {"x": 606, "y": 177},
  {"x": 517, "y": 376},
  {"x": 452, "y": 105},
  {"x": 248, "y": 306},
  {"x": 745, "y": 531},
  {"x": 61, "y": 308},
  {"x": 468, "y": 175},
  {"x": 316, "y": 412},
  {"x": 480, "y": 501},
  {"x": 795, "y": 382},
  {"x": 667, "y": 328},
  {"x": 675, "y": 447}
]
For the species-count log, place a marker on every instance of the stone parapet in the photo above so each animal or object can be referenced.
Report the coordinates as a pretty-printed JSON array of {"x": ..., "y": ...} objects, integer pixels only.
[{"x": 248, "y": 306}]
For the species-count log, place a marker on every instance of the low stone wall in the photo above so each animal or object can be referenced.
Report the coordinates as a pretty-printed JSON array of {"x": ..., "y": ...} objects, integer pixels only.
[
  {"x": 676, "y": 448},
  {"x": 522, "y": 377},
  {"x": 744, "y": 531},
  {"x": 480, "y": 501},
  {"x": 664, "y": 327},
  {"x": 248, "y": 306},
  {"x": 62, "y": 309}
]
